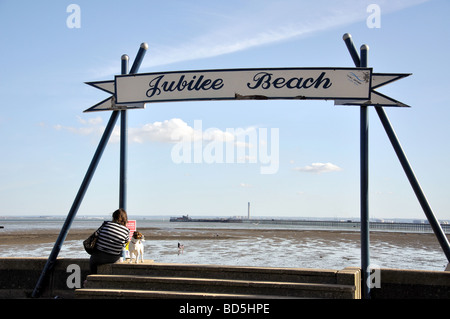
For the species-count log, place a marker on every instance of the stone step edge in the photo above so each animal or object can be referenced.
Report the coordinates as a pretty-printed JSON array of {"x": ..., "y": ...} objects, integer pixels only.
[
  {"x": 159, "y": 294},
  {"x": 217, "y": 282}
]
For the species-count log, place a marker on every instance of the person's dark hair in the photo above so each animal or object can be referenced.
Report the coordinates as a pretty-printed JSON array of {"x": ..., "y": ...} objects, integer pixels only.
[{"x": 120, "y": 217}]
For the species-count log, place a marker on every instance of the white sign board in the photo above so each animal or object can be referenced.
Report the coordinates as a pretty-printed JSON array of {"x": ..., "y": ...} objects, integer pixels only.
[
  {"x": 131, "y": 225},
  {"x": 347, "y": 86},
  {"x": 244, "y": 84}
]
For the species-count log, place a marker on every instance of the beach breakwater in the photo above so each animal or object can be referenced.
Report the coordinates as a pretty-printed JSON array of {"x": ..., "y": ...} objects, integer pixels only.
[{"x": 18, "y": 277}]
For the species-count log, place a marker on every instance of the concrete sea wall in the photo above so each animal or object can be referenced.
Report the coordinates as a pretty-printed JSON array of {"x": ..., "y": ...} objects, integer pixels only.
[{"x": 18, "y": 277}]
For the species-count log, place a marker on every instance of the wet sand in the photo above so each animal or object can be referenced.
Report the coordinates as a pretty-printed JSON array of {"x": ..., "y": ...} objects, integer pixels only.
[{"x": 411, "y": 240}]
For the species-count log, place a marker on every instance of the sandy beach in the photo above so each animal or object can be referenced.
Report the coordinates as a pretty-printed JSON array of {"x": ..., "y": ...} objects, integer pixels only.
[
  {"x": 411, "y": 240},
  {"x": 261, "y": 246}
]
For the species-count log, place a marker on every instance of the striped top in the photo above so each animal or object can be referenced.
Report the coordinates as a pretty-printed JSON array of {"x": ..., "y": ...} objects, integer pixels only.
[{"x": 112, "y": 238}]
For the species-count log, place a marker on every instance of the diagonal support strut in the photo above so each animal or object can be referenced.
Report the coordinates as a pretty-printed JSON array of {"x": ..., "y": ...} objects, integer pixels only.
[{"x": 88, "y": 177}]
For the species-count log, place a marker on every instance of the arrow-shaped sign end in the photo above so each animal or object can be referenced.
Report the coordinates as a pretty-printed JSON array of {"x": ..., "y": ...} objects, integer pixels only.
[
  {"x": 110, "y": 105},
  {"x": 107, "y": 86},
  {"x": 376, "y": 99},
  {"x": 381, "y": 79},
  {"x": 105, "y": 105}
]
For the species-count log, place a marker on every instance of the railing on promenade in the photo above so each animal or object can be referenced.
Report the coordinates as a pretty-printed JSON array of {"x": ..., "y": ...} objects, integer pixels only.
[{"x": 353, "y": 225}]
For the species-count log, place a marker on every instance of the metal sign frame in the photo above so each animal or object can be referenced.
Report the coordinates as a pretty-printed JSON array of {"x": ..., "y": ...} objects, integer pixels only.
[
  {"x": 346, "y": 86},
  {"x": 373, "y": 98}
]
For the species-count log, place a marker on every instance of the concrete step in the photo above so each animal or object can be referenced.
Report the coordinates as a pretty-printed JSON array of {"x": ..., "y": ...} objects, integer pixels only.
[
  {"x": 222, "y": 286},
  {"x": 323, "y": 276},
  {"x": 156, "y": 280},
  {"x": 146, "y": 294}
]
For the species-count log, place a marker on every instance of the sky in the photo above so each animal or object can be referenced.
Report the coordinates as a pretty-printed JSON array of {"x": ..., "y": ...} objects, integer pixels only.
[{"x": 49, "y": 49}]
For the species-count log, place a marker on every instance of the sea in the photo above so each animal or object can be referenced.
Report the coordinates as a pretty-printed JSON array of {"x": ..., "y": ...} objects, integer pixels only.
[{"x": 268, "y": 251}]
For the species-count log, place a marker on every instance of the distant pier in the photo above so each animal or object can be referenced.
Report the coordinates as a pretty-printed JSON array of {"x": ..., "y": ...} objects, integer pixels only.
[
  {"x": 329, "y": 224},
  {"x": 187, "y": 219}
]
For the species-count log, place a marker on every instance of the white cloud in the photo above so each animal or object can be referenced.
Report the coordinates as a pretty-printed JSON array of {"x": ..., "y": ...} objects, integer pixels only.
[
  {"x": 167, "y": 131},
  {"x": 90, "y": 126},
  {"x": 176, "y": 130},
  {"x": 90, "y": 121},
  {"x": 318, "y": 168}
]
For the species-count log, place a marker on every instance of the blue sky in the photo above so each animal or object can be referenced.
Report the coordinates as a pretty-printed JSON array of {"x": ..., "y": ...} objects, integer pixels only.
[{"x": 48, "y": 142}]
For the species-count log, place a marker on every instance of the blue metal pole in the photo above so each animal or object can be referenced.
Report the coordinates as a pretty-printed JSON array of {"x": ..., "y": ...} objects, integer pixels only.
[
  {"x": 124, "y": 127},
  {"x": 123, "y": 146},
  {"x": 434, "y": 223},
  {"x": 364, "y": 167},
  {"x": 87, "y": 179},
  {"x": 352, "y": 49},
  {"x": 76, "y": 204},
  {"x": 139, "y": 57},
  {"x": 437, "y": 229}
]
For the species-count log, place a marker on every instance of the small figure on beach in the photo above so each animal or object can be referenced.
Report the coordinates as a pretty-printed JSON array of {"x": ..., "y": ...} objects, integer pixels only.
[{"x": 180, "y": 248}]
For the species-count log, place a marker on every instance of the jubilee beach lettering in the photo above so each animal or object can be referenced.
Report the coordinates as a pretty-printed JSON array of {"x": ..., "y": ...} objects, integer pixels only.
[
  {"x": 264, "y": 80},
  {"x": 194, "y": 84},
  {"x": 261, "y": 80}
]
